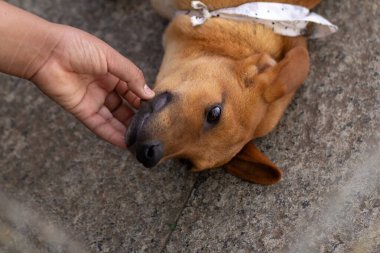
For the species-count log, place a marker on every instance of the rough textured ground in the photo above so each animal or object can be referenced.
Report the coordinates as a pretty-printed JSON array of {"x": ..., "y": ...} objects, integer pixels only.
[{"x": 63, "y": 190}]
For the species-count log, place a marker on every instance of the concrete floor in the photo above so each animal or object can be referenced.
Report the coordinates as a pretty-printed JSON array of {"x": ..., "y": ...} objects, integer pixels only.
[{"x": 64, "y": 190}]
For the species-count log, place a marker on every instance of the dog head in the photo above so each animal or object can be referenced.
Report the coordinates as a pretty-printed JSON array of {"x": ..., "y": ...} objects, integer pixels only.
[
  {"x": 215, "y": 94},
  {"x": 209, "y": 106}
]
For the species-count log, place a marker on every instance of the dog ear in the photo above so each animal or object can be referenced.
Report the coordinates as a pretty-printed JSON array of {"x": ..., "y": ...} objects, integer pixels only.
[
  {"x": 278, "y": 85},
  {"x": 253, "y": 166},
  {"x": 248, "y": 68},
  {"x": 278, "y": 78},
  {"x": 288, "y": 75}
]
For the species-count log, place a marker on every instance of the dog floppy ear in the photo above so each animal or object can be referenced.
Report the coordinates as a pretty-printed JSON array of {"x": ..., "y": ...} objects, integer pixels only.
[
  {"x": 253, "y": 166},
  {"x": 248, "y": 68},
  {"x": 278, "y": 85},
  {"x": 288, "y": 75},
  {"x": 277, "y": 79}
]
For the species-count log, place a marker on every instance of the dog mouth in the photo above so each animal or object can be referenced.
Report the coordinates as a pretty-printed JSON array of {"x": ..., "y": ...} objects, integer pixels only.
[
  {"x": 147, "y": 110},
  {"x": 147, "y": 149},
  {"x": 135, "y": 128},
  {"x": 148, "y": 152}
]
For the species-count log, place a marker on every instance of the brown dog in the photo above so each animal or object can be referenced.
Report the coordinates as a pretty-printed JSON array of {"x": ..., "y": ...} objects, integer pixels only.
[{"x": 220, "y": 86}]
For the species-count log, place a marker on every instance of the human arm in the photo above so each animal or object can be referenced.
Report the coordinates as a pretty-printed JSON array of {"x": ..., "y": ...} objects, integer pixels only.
[{"x": 80, "y": 72}]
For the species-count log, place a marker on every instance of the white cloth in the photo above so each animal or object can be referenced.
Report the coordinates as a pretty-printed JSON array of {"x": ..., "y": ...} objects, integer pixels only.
[{"x": 285, "y": 19}]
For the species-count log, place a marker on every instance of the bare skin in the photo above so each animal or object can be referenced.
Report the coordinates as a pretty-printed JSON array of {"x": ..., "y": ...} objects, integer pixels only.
[{"x": 80, "y": 72}]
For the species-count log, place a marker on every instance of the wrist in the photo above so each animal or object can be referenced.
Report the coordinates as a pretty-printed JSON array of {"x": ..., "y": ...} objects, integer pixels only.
[{"x": 26, "y": 41}]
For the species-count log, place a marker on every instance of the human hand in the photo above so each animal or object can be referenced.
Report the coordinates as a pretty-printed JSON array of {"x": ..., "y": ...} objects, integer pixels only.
[{"x": 92, "y": 81}]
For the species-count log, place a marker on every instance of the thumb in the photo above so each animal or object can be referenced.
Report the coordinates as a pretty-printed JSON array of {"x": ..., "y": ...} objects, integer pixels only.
[{"x": 127, "y": 71}]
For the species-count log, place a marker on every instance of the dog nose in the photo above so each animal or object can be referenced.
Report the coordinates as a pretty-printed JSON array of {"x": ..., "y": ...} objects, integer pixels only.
[
  {"x": 160, "y": 101},
  {"x": 139, "y": 121},
  {"x": 149, "y": 153}
]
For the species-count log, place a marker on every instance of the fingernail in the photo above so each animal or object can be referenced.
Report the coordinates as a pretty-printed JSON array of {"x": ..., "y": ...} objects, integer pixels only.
[{"x": 148, "y": 91}]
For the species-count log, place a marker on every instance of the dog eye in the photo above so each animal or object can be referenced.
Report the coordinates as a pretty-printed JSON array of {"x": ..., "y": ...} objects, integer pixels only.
[{"x": 213, "y": 115}]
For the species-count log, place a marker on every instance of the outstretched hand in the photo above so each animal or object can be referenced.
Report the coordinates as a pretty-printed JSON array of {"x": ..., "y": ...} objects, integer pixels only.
[{"x": 93, "y": 82}]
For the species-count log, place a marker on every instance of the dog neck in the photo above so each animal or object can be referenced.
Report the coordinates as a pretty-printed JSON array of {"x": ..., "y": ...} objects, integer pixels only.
[
  {"x": 222, "y": 37},
  {"x": 218, "y": 4},
  {"x": 285, "y": 19}
]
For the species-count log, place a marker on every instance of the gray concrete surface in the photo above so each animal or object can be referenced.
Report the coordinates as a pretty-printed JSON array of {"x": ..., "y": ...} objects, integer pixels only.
[{"x": 63, "y": 190}]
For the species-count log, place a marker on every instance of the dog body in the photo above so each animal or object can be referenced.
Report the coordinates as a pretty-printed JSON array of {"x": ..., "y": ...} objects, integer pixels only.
[{"x": 220, "y": 85}]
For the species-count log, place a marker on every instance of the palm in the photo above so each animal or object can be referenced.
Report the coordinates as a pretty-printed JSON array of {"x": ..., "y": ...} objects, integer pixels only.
[{"x": 81, "y": 76}]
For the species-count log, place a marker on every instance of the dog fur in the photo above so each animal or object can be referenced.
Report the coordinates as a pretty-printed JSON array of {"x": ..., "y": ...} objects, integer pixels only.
[{"x": 253, "y": 72}]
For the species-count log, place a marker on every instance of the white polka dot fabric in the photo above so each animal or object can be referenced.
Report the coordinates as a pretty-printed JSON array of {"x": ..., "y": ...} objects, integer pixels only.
[{"x": 285, "y": 19}]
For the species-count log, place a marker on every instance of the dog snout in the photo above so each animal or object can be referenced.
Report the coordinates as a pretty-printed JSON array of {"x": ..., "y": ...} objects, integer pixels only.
[
  {"x": 149, "y": 153},
  {"x": 160, "y": 101},
  {"x": 136, "y": 132}
]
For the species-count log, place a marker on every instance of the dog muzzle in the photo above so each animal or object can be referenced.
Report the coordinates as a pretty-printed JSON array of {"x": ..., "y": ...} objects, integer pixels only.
[{"x": 284, "y": 19}]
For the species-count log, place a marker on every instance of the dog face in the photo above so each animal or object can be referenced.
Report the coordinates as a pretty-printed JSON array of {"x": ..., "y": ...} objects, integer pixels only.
[
  {"x": 196, "y": 108},
  {"x": 216, "y": 92},
  {"x": 205, "y": 111},
  {"x": 213, "y": 100}
]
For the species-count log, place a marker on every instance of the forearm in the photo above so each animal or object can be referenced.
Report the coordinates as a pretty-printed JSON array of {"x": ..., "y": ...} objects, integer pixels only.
[{"x": 26, "y": 41}]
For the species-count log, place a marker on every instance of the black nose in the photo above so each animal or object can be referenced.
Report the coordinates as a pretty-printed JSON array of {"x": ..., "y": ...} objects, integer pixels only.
[
  {"x": 141, "y": 119},
  {"x": 149, "y": 153},
  {"x": 160, "y": 101}
]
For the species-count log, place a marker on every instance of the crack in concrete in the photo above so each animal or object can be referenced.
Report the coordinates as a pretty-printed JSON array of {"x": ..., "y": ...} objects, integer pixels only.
[{"x": 167, "y": 239}]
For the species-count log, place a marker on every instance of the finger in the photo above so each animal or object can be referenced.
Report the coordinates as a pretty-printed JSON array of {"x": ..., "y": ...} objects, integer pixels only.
[
  {"x": 133, "y": 99},
  {"x": 107, "y": 131},
  {"x": 106, "y": 127},
  {"x": 124, "y": 69},
  {"x": 109, "y": 134},
  {"x": 113, "y": 101},
  {"x": 123, "y": 90},
  {"x": 117, "y": 108},
  {"x": 108, "y": 82},
  {"x": 91, "y": 102},
  {"x": 123, "y": 114},
  {"x": 111, "y": 120}
]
